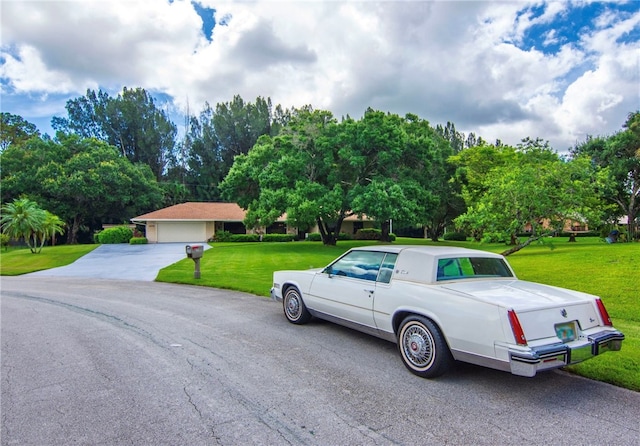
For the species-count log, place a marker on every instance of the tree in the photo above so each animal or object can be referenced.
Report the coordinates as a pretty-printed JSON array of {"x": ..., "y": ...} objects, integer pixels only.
[
  {"x": 538, "y": 189},
  {"x": 84, "y": 181},
  {"x": 238, "y": 125},
  {"x": 131, "y": 122},
  {"x": 426, "y": 159},
  {"x": 619, "y": 153},
  {"x": 15, "y": 130},
  {"x": 23, "y": 219},
  {"x": 320, "y": 171},
  {"x": 214, "y": 138},
  {"x": 51, "y": 226}
]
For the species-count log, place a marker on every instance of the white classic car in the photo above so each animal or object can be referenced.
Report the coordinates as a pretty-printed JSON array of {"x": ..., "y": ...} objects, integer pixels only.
[{"x": 441, "y": 304}]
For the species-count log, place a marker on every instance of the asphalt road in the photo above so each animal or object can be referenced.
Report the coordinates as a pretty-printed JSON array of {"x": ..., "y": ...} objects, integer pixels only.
[{"x": 108, "y": 362}]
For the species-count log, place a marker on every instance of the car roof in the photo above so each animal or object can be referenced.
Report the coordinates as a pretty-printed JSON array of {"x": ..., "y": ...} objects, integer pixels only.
[{"x": 429, "y": 250}]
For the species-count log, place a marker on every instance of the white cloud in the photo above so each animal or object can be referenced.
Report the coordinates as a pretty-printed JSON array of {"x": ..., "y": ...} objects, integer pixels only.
[{"x": 465, "y": 61}]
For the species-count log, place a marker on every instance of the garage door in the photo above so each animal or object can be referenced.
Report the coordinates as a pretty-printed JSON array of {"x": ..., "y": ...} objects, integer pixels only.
[{"x": 173, "y": 232}]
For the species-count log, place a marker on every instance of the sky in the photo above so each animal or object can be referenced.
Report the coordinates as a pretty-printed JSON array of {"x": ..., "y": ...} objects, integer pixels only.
[{"x": 507, "y": 70}]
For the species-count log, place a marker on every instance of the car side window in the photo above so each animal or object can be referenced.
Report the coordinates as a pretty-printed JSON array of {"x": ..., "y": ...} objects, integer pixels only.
[
  {"x": 386, "y": 269},
  {"x": 358, "y": 265}
]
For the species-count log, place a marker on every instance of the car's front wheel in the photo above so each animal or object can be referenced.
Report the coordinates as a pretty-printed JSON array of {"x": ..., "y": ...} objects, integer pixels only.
[
  {"x": 423, "y": 348},
  {"x": 294, "y": 308}
]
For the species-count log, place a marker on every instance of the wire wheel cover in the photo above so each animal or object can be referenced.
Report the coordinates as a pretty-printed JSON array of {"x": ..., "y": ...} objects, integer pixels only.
[{"x": 418, "y": 346}]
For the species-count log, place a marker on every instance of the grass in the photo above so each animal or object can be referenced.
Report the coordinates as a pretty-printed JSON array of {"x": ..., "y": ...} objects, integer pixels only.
[
  {"x": 606, "y": 270},
  {"x": 16, "y": 261}
]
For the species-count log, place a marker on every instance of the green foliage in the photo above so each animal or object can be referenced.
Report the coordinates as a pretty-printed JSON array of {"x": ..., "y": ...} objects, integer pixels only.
[
  {"x": 317, "y": 237},
  {"x": 620, "y": 155},
  {"x": 371, "y": 234},
  {"x": 117, "y": 234},
  {"x": 243, "y": 238},
  {"x": 4, "y": 241},
  {"x": 532, "y": 186},
  {"x": 14, "y": 130},
  {"x": 216, "y": 137},
  {"x": 456, "y": 236},
  {"x": 23, "y": 218},
  {"x": 320, "y": 171},
  {"x": 138, "y": 241},
  {"x": 222, "y": 236},
  {"x": 278, "y": 238},
  {"x": 131, "y": 122},
  {"x": 81, "y": 180}
]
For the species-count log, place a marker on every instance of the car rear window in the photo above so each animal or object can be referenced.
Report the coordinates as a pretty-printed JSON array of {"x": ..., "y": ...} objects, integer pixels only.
[{"x": 472, "y": 267}]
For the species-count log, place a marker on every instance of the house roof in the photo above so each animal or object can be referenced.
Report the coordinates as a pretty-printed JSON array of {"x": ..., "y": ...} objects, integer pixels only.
[
  {"x": 196, "y": 211},
  {"x": 193, "y": 211}
]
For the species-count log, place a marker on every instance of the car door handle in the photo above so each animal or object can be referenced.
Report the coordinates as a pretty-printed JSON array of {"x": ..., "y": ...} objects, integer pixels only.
[{"x": 369, "y": 291}]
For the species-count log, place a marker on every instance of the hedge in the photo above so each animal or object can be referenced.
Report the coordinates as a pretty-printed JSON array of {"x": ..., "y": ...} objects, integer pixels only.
[
  {"x": 371, "y": 234},
  {"x": 117, "y": 234},
  {"x": 457, "y": 236}
]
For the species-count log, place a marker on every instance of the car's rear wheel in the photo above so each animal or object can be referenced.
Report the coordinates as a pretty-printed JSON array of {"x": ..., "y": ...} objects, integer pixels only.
[
  {"x": 294, "y": 308},
  {"x": 423, "y": 348}
]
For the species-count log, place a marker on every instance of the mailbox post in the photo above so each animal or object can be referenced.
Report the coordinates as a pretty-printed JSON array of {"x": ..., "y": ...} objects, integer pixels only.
[{"x": 195, "y": 252}]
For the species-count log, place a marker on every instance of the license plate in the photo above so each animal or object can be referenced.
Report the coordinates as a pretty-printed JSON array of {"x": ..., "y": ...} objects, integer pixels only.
[{"x": 566, "y": 331}]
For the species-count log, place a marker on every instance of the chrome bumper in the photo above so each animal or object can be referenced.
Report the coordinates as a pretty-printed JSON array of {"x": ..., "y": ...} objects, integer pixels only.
[
  {"x": 529, "y": 362},
  {"x": 274, "y": 295}
]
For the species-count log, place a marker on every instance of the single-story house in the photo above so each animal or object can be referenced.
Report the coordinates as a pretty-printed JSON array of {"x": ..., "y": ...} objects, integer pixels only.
[{"x": 199, "y": 222}]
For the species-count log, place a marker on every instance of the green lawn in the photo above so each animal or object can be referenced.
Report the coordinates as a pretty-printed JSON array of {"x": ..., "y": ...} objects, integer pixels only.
[
  {"x": 16, "y": 261},
  {"x": 607, "y": 270}
]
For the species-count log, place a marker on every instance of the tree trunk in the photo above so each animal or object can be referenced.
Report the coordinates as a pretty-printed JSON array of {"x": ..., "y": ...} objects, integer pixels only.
[
  {"x": 72, "y": 236},
  {"x": 384, "y": 235},
  {"x": 329, "y": 236},
  {"x": 519, "y": 246}
]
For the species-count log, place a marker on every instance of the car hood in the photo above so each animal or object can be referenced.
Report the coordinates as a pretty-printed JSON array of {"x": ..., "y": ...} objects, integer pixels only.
[{"x": 518, "y": 294}]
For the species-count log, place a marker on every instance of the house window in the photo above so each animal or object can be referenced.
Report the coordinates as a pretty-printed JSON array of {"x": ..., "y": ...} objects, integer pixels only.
[
  {"x": 235, "y": 227},
  {"x": 277, "y": 228}
]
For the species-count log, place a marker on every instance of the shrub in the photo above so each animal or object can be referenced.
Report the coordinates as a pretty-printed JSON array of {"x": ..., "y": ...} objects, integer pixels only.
[
  {"x": 138, "y": 241},
  {"x": 244, "y": 238},
  {"x": 314, "y": 237},
  {"x": 457, "y": 236},
  {"x": 278, "y": 238},
  {"x": 4, "y": 240},
  {"x": 372, "y": 234},
  {"x": 344, "y": 236},
  {"x": 368, "y": 234},
  {"x": 221, "y": 236},
  {"x": 117, "y": 234}
]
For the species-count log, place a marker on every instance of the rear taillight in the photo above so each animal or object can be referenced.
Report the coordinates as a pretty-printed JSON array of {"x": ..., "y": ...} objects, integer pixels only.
[
  {"x": 516, "y": 328},
  {"x": 603, "y": 313}
]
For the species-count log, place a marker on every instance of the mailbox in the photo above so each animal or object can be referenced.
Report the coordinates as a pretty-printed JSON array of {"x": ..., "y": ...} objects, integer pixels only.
[{"x": 194, "y": 251}]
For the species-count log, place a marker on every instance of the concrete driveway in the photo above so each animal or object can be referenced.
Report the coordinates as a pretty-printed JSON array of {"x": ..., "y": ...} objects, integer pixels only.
[{"x": 122, "y": 261}]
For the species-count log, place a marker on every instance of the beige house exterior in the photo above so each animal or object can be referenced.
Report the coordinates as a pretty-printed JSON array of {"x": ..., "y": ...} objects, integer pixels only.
[{"x": 199, "y": 222}]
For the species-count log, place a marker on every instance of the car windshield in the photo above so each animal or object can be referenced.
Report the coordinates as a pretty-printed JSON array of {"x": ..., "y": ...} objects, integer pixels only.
[{"x": 472, "y": 267}]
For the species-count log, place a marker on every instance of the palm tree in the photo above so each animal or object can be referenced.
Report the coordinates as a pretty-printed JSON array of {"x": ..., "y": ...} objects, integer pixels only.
[
  {"x": 22, "y": 219},
  {"x": 51, "y": 226}
]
